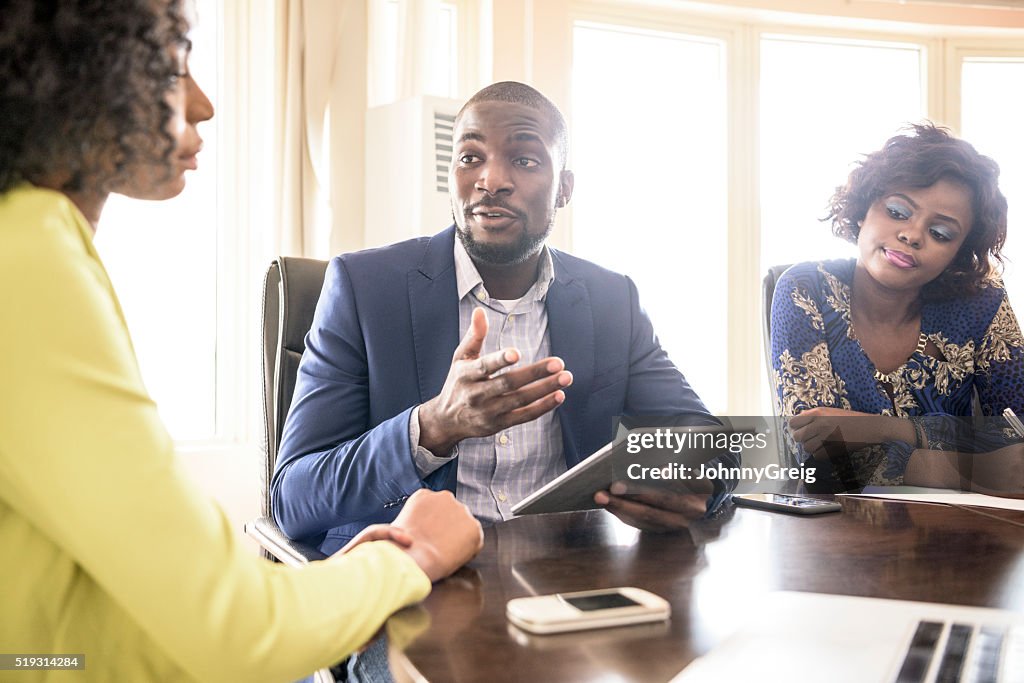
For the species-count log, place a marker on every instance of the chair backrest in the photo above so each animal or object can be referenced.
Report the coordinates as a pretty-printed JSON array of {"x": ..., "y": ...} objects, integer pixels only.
[
  {"x": 767, "y": 293},
  {"x": 291, "y": 289}
]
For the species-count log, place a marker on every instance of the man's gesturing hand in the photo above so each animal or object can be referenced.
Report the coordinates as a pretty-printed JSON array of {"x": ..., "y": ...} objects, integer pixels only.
[{"x": 476, "y": 402}]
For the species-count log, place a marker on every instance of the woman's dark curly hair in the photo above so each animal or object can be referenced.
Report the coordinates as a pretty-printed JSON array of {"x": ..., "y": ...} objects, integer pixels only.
[
  {"x": 919, "y": 160},
  {"x": 83, "y": 87}
]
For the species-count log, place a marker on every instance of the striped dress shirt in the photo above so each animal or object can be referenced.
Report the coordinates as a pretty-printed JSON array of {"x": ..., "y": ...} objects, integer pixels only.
[{"x": 496, "y": 472}]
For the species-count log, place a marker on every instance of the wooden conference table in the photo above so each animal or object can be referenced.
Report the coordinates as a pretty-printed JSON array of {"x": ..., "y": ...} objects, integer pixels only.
[{"x": 872, "y": 548}]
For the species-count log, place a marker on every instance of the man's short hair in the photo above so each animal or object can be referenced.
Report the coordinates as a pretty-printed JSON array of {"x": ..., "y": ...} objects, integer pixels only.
[{"x": 520, "y": 93}]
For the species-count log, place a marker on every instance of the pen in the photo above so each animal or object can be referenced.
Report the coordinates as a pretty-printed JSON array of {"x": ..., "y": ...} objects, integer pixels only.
[{"x": 1014, "y": 421}]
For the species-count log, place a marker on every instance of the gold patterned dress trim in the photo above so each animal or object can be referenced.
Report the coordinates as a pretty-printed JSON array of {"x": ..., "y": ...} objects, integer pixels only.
[
  {"x": 901, "y": 380},
  {"x": 1001, "y": 338},
  {"x": 837, "y": 294},
  {"x": 958, "y": 364},
  {"x": 889, "y": 377},
  {"x": 803, "y": 301},
  {"x": 809, "y": 381}
]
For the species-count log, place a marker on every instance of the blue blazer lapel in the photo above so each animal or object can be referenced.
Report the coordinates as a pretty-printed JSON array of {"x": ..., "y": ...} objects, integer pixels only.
[
  {"x": 571, "y": 328},
  {"x": 434, "y": 306}
]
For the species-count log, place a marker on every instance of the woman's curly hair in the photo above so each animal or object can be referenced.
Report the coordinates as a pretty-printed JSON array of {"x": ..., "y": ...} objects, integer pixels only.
[
  {"x": 921, "y": 158},
  {"x": 83, "y": 88}
]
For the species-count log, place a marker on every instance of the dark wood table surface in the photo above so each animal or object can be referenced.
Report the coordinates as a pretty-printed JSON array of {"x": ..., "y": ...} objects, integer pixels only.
[{"x": 872, "y": 548}]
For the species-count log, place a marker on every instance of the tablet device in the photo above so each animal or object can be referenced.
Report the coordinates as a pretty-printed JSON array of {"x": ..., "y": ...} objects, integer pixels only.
[{"x": 689, "y": 447}]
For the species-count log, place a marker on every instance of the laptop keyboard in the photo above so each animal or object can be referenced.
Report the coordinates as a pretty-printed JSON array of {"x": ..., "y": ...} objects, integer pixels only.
[{"x": 943, "y": 652}]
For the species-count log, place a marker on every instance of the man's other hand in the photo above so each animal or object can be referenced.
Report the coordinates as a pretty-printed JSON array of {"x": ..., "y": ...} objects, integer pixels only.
[
  {"x": 656, "y": 510},
  {"x": 477, "y": 402}
]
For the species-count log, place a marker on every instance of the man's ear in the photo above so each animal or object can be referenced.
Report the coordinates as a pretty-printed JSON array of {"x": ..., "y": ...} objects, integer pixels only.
[{"x": 565, "y": 185}]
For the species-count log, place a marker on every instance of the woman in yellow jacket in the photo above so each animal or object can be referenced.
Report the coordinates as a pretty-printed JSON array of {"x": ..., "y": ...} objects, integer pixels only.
[{"x": 108, "y": 549}]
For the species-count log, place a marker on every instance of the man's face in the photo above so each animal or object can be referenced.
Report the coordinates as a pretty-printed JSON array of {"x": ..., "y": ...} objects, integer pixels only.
[{"x": 505, "y": 181}]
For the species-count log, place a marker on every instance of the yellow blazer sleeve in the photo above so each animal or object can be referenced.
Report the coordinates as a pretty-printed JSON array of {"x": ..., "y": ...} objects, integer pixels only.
[{"x": 85, "y": 459}]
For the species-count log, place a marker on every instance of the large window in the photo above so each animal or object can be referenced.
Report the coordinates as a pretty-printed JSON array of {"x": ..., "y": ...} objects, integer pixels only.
[
  {"x": 992, "y": 91},
  {"x": 404, "y": 50},
  {"x": 187, "y": 270},
  {"x": 705, "y": 147},
  {"x": 162, "y": 258},
  {"x": 650, "y": 199},
  {"x": 706, "y": 151},
  {"x": 824, "y": 103}
]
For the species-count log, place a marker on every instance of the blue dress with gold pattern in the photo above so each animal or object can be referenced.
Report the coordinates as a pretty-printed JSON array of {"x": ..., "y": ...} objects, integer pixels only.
[{"x": 817, "y": 361}]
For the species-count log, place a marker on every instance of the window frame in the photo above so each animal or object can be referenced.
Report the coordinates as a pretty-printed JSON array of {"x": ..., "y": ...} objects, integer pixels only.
[
  {"x": 956, "y": 51},
  {"x": 742, "y": 31},
  {"x": 471, "y": 43},
  {"x": 246, "y": 207},
  {"x": 660, "y": 20}
]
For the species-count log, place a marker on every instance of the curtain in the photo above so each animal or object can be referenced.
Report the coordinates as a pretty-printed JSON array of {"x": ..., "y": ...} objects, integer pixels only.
[{"x": 322, "y": 104}]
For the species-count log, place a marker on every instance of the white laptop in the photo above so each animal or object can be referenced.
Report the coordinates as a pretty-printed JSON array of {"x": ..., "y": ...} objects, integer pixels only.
[{"x": 816, "y": 637}]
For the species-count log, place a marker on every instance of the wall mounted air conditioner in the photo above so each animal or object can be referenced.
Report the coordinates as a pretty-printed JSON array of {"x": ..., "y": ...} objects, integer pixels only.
[{"x": 408, "y": 150}]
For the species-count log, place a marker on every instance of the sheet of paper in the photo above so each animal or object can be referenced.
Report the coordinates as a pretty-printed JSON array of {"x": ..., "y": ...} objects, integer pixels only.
[{"x": 913, "y": 494}]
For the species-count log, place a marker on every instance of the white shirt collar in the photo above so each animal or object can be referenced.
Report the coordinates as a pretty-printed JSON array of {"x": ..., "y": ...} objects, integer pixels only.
[{"x": 467, "y": 277}]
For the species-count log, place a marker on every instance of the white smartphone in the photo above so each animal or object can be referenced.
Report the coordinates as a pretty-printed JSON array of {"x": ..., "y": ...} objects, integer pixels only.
[
  {"x": 782, "y": 502},
  {"x": 563, "y": 612}
]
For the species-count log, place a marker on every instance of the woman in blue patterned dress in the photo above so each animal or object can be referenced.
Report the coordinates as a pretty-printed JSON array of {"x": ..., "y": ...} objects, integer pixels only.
[{"x": 908, "y": 331}]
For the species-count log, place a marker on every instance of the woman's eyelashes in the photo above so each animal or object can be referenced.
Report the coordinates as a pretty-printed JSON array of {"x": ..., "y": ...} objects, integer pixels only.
[
  {"x": 901, "y": 212},
  {"x": 941, "y": 233},
  {"x": 897, "y": 210}
]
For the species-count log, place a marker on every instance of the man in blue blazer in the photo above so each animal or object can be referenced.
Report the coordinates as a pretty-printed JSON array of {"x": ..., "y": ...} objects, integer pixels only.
[{"x": 389, "y": 400}]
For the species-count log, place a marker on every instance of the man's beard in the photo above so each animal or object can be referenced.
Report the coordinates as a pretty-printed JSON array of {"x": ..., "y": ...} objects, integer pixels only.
[{"x": 525, "y": 246}]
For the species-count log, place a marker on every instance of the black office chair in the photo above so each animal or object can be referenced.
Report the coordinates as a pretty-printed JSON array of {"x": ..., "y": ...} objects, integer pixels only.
[
  {"x": 291, "y": 289},
  {"x": 767, "y": 293}
]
